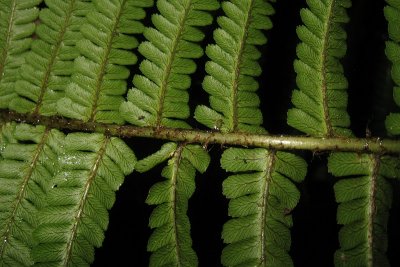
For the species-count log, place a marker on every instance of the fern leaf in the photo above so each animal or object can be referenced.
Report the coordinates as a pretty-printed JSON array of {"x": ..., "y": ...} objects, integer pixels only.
[
  {"x": 321, "y": 101},
  {"x": 365, "y": 197},
  {"x": 27, "y": 164},
  {"x": 233, "y": 68},
  {"x": 170, "y": 242},
  {"x": 160, "y": 97},
  {"x": 165, "y": 152},
  {"x": 99, "y": 77},
  {"x": 49, "y": 64},
  {"x": 92, "y": 168},
  {"x": 262, "y": 196},
  {"x": 16, "y": 27},
  {"x": 392, "y": 14},
  {"x": 6, "y": 135}
]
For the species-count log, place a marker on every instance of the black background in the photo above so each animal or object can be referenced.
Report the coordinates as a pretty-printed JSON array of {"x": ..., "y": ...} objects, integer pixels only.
[{"x": 314, "y": 235}]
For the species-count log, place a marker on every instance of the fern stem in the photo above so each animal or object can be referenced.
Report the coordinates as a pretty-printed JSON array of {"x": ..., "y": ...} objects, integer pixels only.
[
  {"x": 365, "y": 145},
  {"x": 3, "y": 56},
  {"x": 83, "y": 201},
  {"x": 21, "y": 194},
  {"x": 55, "y": 51}
]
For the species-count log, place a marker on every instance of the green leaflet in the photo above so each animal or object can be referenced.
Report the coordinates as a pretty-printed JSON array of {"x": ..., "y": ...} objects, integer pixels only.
[
  {"x": 27, "y": 164},
  {"x": 49, "y": 63},
  {"x": 160, "y": 96},
  {"x": 262, "y": 196},
  {"x": 16, "y": 27},
  {"x": 260, "y": 200},
  {"x": 91, "y": 168},
  {"x": 165, "y": 152},
  {"x": 99, "y": 77},
  {"x": 6, "y": 135},
  {"x": 170, "y": 242},
  {"x": 392, "y": 14},
  {"x": 160, "y": 99},
  {"x": 233, "y": 67},
  {"x": 365, "y": 198},
  {"x": 321, "y": 102}
]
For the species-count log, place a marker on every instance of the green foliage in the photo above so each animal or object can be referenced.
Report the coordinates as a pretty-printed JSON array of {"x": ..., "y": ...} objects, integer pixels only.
[
  {"x": 49, "y": 63},
  {"x": 99, "y": 77},
  {"x": 16, "y": 25},
  {"x": 170, "y": 242},
  {"x": 262, "y": 197},
  {"x": 365, "y": 197},
  {"x": 258, "y": 206},
  {"x": 320, "y": 110},
  {"x": 72, "y": 59},
  {"x": 55, "y": 193},
  {"x": 392, "y": 14},
  {"x": 233, "y": 68},
  {"x": 28, "y": 163},
  {"x": 321, "y": 102},
  {"x": 160, "y": 97},
  {"x": 91, "y": 168},
  {"x": 165, "y": 152}
]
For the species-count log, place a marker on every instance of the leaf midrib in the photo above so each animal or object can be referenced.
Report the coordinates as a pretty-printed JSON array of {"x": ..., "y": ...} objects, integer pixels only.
[
  {"x": 269, "y": 167},
  {"x": 237, "y": 69},
  {"x": 168, "y": 68},
  {"x": 324, "y": 55},
  {"x": 8, "y": 40},
  {"x": 174, "y": 181},
  {"x": 102, "y": 72},
  {"x": 52, "y": 59},
  {"x": 372, "y": 208},
  {"x": 83, "y": 201},
  {"x": 21, "y": 194}
]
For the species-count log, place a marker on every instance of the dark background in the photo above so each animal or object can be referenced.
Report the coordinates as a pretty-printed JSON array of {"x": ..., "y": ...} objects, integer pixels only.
[{"x": 314, "y": 235}]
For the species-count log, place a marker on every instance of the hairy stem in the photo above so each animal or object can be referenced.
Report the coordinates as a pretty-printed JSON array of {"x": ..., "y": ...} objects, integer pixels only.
[{"x": 365, "y": 145}]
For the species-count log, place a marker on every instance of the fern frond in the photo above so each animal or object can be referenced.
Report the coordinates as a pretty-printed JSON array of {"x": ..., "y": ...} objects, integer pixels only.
[
  {"x": 160, "y": 97},
  {"x": 321, "y": 102},
  {"x": 262, "y": 196},
  {"x": 91, "y": 168},
  {"x": 365, "y": 197},
  {"x": 233, "y": 68},
  {"x": 27, "y": 164},
  {"x": 49, "y": 64},
  {"x": 170, "y": 242},
  {"x": 392, "y": 14},
  {"x": 16, "y": 28},
  {"x": 99, "y": 76}
]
